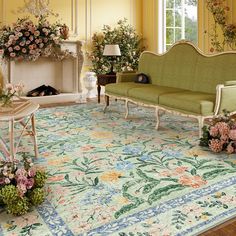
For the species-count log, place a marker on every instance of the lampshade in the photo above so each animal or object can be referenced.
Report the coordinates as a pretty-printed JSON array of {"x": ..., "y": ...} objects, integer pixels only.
[{"x": 111, "y": 50}]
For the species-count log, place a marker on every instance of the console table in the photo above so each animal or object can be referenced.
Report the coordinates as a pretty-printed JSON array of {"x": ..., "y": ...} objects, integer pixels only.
[
  {"x": 24, "y": 117},
  {"x": 103, "y": 80}
]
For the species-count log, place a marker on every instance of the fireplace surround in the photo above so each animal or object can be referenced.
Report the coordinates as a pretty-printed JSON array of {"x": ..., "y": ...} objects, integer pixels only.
[{"x": 64, "y": 75}]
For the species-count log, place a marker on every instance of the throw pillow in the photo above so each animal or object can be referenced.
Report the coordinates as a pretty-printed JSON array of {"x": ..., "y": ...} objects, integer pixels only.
[{"x": 142, "y": 78}]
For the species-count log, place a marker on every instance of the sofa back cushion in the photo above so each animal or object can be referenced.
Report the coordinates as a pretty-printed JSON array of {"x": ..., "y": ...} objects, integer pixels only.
[{"x": 185, "y": 67}]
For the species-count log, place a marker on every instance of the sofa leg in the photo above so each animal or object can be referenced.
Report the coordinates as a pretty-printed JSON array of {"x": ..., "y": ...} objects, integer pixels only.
[
  {"x": 158, "y": 118},
  {"x": 126, "y": 109},
  {"x": 200, "y": 123}
]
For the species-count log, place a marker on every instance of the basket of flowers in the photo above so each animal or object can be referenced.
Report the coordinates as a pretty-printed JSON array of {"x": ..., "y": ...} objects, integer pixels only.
[
  {"x": 220, "y": 134},
  {"x": 21, "y": 187}
]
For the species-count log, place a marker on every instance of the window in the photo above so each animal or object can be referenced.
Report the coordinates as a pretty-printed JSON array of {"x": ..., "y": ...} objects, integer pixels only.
[{"x": 177, "y": 20}]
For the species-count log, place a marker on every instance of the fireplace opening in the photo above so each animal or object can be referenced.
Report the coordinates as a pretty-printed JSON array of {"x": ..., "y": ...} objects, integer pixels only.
[{"x": 43, "y": 90}]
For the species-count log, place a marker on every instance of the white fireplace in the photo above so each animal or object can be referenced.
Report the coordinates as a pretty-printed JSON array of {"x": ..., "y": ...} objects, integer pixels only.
[{"x": 64, "y": 75}]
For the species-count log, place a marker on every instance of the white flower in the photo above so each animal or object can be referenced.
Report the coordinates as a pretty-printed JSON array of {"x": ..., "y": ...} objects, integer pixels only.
[{"x": 9, "y": 86}]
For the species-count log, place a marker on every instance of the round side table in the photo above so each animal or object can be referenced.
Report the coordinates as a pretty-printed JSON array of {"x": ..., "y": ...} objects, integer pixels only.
[{"x": 24, "y": 117}]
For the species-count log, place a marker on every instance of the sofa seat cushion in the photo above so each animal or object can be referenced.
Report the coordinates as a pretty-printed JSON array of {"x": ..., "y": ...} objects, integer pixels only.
[
  {"x": 193, "y": 102},
  {"x": 150, "y": 93},
  {"x": 121, "y": 89}
]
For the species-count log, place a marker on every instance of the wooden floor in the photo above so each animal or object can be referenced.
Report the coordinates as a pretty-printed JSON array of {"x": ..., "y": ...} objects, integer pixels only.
[{"x": 226, "y": 229}]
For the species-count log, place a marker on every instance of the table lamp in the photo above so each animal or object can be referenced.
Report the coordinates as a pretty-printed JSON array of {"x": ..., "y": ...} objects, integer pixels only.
[{"x": 111, "y": 50}]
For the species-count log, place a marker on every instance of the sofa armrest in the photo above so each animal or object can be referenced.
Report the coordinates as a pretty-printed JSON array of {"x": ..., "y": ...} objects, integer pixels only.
[
  {"x": 125, "y": 77},
  {"x": 230, "y": 83},
  {"x": 225, "y": 98}
]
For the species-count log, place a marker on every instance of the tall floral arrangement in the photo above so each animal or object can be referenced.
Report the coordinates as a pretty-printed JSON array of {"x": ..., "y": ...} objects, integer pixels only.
[
  {"x": 130, "y": 44},
  {"x": 220, "y": 135},
  {"x": 25, "y": 40},
  {"x": 21, "y": 187},
  {"x": 219, "y": 11}
]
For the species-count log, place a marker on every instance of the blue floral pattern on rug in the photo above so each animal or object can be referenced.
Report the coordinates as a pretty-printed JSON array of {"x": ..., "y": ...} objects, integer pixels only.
[{"x": 113, "y": 176}]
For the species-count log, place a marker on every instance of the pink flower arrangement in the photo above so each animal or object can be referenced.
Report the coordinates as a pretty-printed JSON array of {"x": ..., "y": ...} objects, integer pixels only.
[
  {"x": 21, "y": 186},
  {"x": 220, "y": 135},
  {"x": 28, "y": 41}
]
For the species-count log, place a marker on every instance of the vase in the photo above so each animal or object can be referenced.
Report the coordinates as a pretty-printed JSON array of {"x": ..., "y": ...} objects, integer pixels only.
[{"x": 90, "y": 80}]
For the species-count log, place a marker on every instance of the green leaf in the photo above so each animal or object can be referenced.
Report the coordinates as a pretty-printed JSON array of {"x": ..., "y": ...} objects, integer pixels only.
[
  {"x": 193, "y": 172},
  {"x": 96, "y": 181},
  {"x": 159, "y": 193}
]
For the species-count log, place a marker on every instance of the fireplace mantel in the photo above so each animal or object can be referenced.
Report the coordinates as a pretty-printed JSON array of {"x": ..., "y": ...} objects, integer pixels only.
[{"x": 64, "y": 75}]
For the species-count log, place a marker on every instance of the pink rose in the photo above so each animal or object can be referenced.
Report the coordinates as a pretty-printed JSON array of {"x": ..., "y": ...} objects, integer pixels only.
[
  {"x": 32, "y": 52},
  {"x": 37, "y": 33},
  {"x": 27, "y": 34},
  {"x": 22, "y": 43},
  {"x": 12, "y": 54},
  {"x": 31, "y": 47},
  {"x": 11, "y": 37},
  {"x": 1, "y": 51},
  {"x": 41, "y": 45},
  {"x": 10, "y": 49},
  {"x": 24, "y": 50},
  {"x": 17, "y": 47},
  {"x": 232, "y": 134},
  {"x": 7, "y": 181},
  {"x": 28, "y": 42}
]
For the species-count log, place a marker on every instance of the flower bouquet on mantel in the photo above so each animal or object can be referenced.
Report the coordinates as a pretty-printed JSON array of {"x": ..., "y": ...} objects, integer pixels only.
[
  {"x": 220, "y": 135},
  {"x": 21, "y": 187}
]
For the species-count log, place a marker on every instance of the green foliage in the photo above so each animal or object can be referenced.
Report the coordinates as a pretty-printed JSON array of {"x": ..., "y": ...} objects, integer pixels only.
[
  {"x": 18, "y": 207},
  {"x": 130, "y": 46},
  {"x": 37, "y": 196},
  {"x": 9, "y": 194},
  {"x": 40, "y": 179}
]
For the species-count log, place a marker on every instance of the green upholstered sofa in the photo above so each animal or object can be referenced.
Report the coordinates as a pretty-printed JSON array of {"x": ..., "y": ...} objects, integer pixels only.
[{"x": 182, "y": 81}]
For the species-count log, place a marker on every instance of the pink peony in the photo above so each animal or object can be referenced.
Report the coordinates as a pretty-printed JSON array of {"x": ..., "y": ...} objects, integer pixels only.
[
  {"x": 232, "y": 134},
  {"x": 223, "y": 128},
  {"x": 10, "y": 49},
  {"x": 214, "y": 131},
  {"x": 230, "y": 149},
  {"x": 216, "y": 145},
  {"x": 30, "y": 183}
]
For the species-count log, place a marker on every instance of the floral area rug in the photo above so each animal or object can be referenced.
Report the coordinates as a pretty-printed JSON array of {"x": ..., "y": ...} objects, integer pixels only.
[{"x": 111, "y": 176}]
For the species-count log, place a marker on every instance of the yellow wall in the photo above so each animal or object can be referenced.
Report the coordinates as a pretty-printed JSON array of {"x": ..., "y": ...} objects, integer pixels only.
[
  {"x": 149, "y": 24},
  {"x": 84, "y": 17}
]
